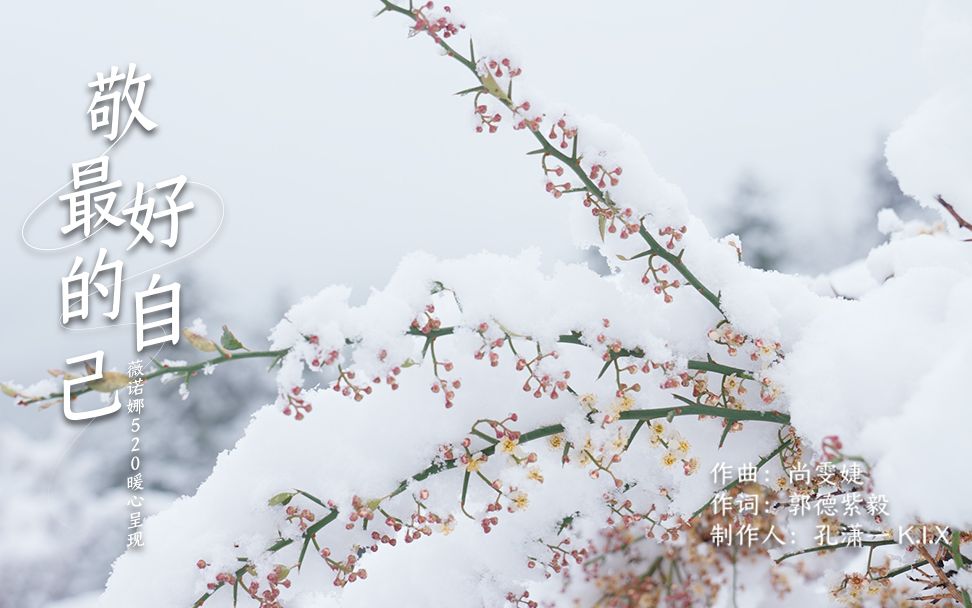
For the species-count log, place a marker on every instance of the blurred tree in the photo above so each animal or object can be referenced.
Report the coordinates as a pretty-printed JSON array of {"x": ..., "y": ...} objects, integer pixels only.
[
  {"x": 751, "y": 217},
  {"x": 70, "y": 519},
  {"x": 884, "y": 189}
]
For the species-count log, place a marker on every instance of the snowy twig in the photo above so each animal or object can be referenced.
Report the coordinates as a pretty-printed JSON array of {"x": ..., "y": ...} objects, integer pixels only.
[
  {"x": 487, "y": 85},
  {"x": 165, "y": 370},
  {"x": 642, "y": 415},
  {"x": 575, "y": 338}
]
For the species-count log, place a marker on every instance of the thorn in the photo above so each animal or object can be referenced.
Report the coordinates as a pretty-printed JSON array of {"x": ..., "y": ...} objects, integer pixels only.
[{"x": 476, "y": 89}]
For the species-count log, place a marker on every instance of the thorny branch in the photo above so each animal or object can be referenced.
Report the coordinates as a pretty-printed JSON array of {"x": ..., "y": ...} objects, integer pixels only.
[
  {"x": 643, "y": 415},
  {"x": 488, "y": 86},
  {"x": 188, "y": 370}
]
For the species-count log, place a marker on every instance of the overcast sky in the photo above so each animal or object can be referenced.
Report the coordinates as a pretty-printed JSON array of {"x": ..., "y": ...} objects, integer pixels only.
[{"x": 337, "y": 146}]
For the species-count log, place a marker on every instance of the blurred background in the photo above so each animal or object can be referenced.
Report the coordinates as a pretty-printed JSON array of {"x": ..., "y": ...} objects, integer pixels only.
[{"x": 337, "y": 147}]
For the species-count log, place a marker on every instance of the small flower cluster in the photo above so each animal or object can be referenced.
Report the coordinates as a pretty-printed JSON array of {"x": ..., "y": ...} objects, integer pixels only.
[
  {"x": 492, "y": 72},
  {"x": 614, "y": 217},
  {"x": 319, "y": 356},
  {"x": 562, "y": 555},
  {"x": 613, "y": 351},
  {"x": 521, "y": 600},
  {"x": 676, "y": 447},
  {"x": 769, "y": 391},
  {"x": 831, "y": 447},
  {"x": 729, "y": 394},
  {"x": 857, "y": 589},
  {"x": 726, "y": 335},
  {"x": 674, "y": 235},
  {"x": 346, "y": 570},
  {"x": 222, "y": 578},
  {"x": 276, "y": 578},
  {"x": 551, "y": 171},
  {"x": 674, "y": 377},
  {"x": 489, "y": 120},
  {"x": 765, "y": 350},
  {"x": 603, "y": 456},
  {"x": 561, "y": 133},
  {"x": 543, "y": 381},
  {"x": 620, "y": 405},
  {"x": 487, "y": 523},
  {"x": 302, "y": 517},
  {"x": 612, "y": 346},
  {"x": 526, "y": 120},
  {"x": 346, "y": 385},
  {"x": 491, "y": 342},
  {"x": 657, "y": 274},
  {"x": 267, "y": 597},
  {"x": 658, "y": 525},
  {"x": 604, "y": 176},
  {"x": 503, "y": 67},
  {"x": 560, "y": 444},
  {"x": 506, "y": 443},
  {"x": 759, "y": 350},
  {"x": 361, "y": 511},
  {"x": 391, "y": 377},
  {"x": 418, "y": 524},
  {"x": 509, "y": 444},
  {"x": 443, "y": 385},
  {"x": 296, "y": 404},
  {"x": 428, "y": 323},
  {"x": 439, "y": 26},
  {"x": 608, "y": 449}
]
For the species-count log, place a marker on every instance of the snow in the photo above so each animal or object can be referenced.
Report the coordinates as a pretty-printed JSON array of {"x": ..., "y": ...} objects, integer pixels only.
[
  {"x": 929, "y": 153},
  {"x": 875, "y": 353},
  {"x": 882, "y": 372}
]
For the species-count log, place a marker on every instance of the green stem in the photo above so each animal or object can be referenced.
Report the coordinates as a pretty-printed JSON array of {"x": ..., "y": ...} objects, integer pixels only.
[
  {"x": 705, "y": 410},
  {"x": 865, "y": 543},
  {"x": 188, "y": 369}
]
